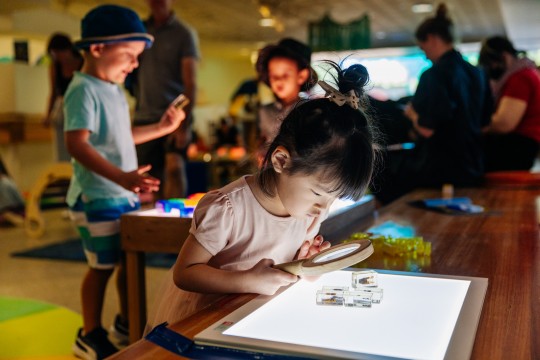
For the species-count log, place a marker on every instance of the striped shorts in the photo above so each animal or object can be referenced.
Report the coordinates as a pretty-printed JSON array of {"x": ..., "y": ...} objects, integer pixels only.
[{"x": 98, "y": 223}]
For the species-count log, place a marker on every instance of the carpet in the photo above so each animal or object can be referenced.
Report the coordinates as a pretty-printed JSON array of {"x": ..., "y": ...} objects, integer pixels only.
[{"x": 71, "y": 250}]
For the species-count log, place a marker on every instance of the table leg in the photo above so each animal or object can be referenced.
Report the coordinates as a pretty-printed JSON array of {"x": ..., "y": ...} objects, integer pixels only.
[{"x": 136, "y": 291}]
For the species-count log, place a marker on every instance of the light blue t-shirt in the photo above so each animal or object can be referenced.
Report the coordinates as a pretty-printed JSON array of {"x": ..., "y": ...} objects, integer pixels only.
[{"x": 101, "y": 107}]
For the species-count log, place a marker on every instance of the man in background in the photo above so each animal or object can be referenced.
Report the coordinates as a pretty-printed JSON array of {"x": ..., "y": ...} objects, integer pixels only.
[{"x": 166, "y": 70}]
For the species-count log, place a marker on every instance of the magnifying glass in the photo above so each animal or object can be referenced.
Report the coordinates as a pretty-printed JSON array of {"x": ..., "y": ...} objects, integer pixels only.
[{"x": 334, "y": 258}]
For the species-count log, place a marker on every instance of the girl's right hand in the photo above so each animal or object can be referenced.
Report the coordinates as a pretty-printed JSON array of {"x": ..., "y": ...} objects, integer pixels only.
[{"x": 264, "y": 279}]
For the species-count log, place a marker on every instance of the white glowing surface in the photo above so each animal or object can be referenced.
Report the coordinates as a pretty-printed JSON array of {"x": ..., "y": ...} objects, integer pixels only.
[
  {"x": 340, "y": 205},
  {"x": 331, "y": 255},
  {"x": 156, "y": 212},
  {"x": 415, "y": 319}
]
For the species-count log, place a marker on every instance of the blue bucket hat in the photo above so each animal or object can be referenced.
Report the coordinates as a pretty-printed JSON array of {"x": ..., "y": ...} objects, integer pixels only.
[{"x": 111, "y": 24}]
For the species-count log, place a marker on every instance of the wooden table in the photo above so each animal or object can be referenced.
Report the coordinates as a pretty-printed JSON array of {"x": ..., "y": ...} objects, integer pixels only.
[
  {"x": 501, "y": 245},
  {"x": 149, "y": 231},
  {"x": 144, "y": 232}
]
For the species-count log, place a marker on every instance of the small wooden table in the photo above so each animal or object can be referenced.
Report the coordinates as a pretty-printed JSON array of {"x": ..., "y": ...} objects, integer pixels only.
[
  {"x": 501, "y": 245},
  {"x": 150, "y": 231},
  {"x": 145, "y": 232}
]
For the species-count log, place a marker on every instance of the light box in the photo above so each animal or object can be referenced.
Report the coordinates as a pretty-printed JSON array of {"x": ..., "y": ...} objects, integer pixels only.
[{"x": 421, "y": 316}]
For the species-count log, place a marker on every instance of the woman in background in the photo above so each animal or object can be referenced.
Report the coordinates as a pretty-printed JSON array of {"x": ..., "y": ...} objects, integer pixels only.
[
  {"x": 514, "y": 133},
  {"x": 65, "y": 61},
  {"x": 448, "y": 110}
]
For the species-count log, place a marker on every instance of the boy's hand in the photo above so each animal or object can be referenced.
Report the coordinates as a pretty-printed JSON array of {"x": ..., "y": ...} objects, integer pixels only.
[
  {"x": 171, "y": 119},
  {"x": 264, "y": 279},
  {"x": 308, "y": 249},
  {"x": 139, "y": 180}
]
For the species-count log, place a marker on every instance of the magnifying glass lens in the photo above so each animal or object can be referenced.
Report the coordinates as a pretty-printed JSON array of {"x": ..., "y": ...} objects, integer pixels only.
[{"x": 337, "y": 253}]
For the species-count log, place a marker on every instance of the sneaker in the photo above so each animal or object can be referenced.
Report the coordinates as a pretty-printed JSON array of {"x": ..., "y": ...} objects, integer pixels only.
[
  {"x": 93, "y": 346},
  {"x": 120, "y": 331}
]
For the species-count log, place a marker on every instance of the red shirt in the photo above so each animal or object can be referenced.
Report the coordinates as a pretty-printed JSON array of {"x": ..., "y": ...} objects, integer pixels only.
[{"x": 525, "y": 85}]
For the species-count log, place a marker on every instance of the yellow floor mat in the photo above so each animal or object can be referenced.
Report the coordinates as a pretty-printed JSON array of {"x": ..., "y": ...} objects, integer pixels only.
[{"x": 43, "y": 331}]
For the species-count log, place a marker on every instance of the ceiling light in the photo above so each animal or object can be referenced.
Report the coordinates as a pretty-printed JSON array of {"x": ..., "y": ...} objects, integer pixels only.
[
  {"x": 264, "y": 11},
  {"x": 422, "y": 8},
  {"x": 267, "y": 22}
]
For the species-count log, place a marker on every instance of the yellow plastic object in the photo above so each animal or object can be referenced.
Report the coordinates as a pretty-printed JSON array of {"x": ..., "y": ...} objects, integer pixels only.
[{"x": 34, "y": 224}]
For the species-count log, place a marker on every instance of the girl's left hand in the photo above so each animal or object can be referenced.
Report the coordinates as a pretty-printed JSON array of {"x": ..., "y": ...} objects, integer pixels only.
[{"x": 310, "y": 248}]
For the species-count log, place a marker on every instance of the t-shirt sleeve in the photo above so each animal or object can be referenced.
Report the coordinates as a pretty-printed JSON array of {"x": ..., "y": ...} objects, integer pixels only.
[
  {"x": 213, "y": 223},
  {"x": 79, "y": 109},
  {"x": 518, "y": 87},
  {"x": 190, "y": 42}
]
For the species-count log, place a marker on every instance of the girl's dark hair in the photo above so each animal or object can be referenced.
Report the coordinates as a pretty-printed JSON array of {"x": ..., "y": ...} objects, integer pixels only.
[
  {"x": 440, "y": 25},
  {"x": 59, "y": 41},
  {"x": 324, "y": 137},
  {"x": 493, "y": 48}
]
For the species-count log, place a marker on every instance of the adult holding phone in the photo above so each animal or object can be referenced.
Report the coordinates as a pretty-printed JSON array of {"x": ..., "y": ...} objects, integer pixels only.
[{"x": 166, "y": 70}]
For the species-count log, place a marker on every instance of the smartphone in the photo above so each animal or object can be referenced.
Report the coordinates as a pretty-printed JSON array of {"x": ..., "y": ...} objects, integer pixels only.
[{"x": 180, "y": 102}]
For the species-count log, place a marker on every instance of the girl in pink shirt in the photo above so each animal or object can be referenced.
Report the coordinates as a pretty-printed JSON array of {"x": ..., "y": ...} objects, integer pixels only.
[{"x": 324, "y": 150}]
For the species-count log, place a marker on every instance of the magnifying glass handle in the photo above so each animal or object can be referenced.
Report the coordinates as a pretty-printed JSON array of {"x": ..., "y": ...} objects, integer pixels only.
[{"x": 293, "y": 267}]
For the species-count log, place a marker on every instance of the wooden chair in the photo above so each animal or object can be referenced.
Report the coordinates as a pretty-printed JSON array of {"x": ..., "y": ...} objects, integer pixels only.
[{"x": 34, "y": 223}]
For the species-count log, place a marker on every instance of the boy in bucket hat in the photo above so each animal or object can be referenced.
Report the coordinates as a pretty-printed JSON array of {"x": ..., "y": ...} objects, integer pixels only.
[{"x": 106, "y": 178}]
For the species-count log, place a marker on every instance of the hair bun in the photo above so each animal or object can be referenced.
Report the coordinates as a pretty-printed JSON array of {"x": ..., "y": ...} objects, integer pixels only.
[
  {"x": 355, "y": 77},
  {"x": 442, "y": 12},
  {"x": 357, "y": 74}
]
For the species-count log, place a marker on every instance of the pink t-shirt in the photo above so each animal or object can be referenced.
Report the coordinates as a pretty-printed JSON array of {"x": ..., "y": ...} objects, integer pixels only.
[{"x": 232, "y": 225}]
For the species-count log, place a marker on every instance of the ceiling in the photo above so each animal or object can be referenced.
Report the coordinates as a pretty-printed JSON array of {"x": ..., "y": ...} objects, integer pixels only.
[{"x": 392, "y": 21}]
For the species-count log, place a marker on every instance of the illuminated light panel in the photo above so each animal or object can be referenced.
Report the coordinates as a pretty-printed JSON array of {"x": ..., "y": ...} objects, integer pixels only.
[
  {"x": 156, "y": 212},
  {"x": 415, "y": 320}
]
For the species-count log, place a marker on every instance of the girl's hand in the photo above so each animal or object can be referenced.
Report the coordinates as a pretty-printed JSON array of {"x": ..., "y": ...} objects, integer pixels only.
[
  {"x": 310, "y": 248},
  {"x": 139, "y": 180},
  {"x": 171, "y": 119},
  {"x": 264, "y": 279}
]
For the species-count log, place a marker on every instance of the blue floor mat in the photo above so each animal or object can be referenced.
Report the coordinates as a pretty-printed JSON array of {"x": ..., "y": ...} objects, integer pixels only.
[{"x": 71, "y": 250}]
